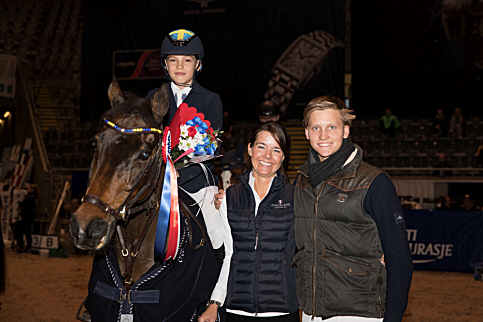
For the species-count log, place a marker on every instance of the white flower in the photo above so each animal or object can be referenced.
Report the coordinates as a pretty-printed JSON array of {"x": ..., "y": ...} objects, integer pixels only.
[
  {"x": 192, "y": 142},
  {"x": 198, "y": 138},
  {"x": 184, "y": 130},
  {"x": 184, "y": 145}
]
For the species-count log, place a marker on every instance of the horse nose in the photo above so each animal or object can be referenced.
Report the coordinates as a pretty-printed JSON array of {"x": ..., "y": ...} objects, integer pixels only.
[
  {"x": 97, "y": 228},
  {"x": 92, "y": 235},
  {"x": 74, "y": 227}
]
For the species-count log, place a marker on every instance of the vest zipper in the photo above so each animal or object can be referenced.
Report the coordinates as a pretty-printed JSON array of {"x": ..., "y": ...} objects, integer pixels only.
[
  {"x": 314, "y": 236},
  {"x": 256, "y": 241},
  {"x": 317, "y": 195},
  {"x": 257, "y": 254}
]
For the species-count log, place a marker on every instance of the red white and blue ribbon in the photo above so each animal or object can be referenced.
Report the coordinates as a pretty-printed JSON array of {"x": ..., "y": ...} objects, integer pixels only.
[{"x": 168, "y": 217}]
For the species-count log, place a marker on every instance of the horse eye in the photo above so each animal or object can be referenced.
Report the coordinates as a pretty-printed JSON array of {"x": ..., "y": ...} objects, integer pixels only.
[
  {"x": 94, "y": 143},
  {"x": 145, "y": 154}
]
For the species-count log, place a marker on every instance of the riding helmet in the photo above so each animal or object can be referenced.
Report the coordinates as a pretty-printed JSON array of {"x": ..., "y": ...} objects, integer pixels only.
[
  {"x": 267, "y": 108},
  {"x": 182, "y": 42}
]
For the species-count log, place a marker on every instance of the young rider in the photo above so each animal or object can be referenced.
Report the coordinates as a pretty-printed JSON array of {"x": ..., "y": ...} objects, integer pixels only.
[{"x": 182, "y": 59}]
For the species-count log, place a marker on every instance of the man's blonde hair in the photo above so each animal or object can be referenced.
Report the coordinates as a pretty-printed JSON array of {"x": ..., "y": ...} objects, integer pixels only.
[{"x": 328, "y": 102}]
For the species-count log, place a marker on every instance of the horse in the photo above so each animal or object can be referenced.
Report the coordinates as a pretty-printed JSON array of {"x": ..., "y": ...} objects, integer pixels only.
[{"x": 126, "y": 180}]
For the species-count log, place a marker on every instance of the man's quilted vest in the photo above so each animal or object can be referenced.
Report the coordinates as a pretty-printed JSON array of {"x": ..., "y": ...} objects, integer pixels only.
[{"x": 338, "y": 263}]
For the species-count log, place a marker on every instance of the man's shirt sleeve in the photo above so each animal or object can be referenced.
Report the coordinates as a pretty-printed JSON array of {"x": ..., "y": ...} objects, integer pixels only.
[{"x": 383, "y": 205}]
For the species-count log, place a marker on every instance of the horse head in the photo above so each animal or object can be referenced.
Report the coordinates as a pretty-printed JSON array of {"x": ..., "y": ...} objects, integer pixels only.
[{"x": 127, "y": 149}]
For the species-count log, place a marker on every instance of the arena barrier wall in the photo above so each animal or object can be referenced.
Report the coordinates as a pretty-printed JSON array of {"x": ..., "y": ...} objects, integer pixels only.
[{"x": 445, "y": 240}]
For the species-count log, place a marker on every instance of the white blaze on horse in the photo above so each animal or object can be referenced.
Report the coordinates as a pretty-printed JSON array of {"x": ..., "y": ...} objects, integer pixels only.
[{"x": 118, "y": 220}]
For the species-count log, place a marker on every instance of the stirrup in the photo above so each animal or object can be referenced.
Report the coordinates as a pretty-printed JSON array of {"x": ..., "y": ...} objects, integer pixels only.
[{"x": 85, "y": 316}]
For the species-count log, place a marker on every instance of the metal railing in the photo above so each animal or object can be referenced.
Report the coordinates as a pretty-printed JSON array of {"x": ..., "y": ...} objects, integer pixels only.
[{"x": 39, "y": 141}]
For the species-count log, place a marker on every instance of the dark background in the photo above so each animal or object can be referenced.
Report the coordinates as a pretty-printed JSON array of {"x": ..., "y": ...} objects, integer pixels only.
[
  {"x": 400, "y": 55},
  {"x": 402, "y": 59},
  {"x": 241, "y": 46}
]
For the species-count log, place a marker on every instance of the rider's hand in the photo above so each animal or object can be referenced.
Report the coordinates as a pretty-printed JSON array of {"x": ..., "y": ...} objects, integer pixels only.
[
  {"x": 218, "y": 197},
  {"x": 210, "y": 314}
]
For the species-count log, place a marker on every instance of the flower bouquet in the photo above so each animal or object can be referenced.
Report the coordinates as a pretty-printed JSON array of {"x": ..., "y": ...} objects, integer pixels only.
[{"x": 189, "y": 138}]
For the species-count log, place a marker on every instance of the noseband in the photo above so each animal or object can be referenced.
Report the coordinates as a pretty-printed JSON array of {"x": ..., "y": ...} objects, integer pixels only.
[{"x": 126, "y": 208}]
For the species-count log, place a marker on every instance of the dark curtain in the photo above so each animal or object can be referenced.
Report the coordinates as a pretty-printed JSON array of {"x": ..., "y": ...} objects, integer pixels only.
[{"x": 242, "y": 40}]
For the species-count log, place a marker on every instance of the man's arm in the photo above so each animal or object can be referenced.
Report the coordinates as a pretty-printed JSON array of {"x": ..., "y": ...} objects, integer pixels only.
[{"x": 383, "y": 205}]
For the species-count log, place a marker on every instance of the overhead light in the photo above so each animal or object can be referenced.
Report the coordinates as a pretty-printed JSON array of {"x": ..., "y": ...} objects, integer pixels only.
[
  {"x": 1, "y": 121},
  {"x": 7, "y": 114}
]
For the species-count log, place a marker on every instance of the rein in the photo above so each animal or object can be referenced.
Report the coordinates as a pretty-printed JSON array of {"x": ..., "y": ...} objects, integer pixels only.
[{"x": 126, "y": 208}]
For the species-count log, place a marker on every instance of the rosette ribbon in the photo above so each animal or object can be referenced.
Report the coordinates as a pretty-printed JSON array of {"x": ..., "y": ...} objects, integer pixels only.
[{"x": 168, "y": 226}]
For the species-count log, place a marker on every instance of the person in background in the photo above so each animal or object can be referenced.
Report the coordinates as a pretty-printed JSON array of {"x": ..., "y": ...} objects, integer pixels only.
[
  {"x": 444, "y": 203},
  {"x": 389, "y": 123},
  {"x": 257, "y": 281},
  {"x": 182, "y": 58},
  {"x": 467, "y": 203},
  {"x": 268, "y": 111},
  {"x": 27, "y": 209},
  {"x": 442, "y": 167},
  {"x": 457, "y": 124},
  {"x": 227, "y": 137},
  {"x": 347, "y": 216},
  {"x": 439, "y": 125}
]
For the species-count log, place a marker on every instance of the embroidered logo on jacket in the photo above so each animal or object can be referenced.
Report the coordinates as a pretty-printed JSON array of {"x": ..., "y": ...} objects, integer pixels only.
[
  {"x": 280, "y": 205},
  {"x": 342, "y": 197}
]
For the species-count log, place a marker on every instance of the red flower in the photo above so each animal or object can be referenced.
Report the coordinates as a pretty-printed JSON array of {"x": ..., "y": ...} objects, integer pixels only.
[
  {"x": 192, "y": 131},
  {"x": 182, "y": 115}
]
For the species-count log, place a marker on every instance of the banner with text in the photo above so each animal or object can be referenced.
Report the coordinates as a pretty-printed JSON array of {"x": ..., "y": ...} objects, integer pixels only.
[{"x": 445, "y": 240}]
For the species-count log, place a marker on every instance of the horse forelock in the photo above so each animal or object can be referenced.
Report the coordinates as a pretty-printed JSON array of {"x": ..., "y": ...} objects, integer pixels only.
[{"x": 133, "y": 105}]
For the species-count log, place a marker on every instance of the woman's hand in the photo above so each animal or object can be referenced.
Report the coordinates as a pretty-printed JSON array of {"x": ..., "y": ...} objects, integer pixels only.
[
  {"x": 218, "y": 197},
  {"x": 210, "y": 314}
]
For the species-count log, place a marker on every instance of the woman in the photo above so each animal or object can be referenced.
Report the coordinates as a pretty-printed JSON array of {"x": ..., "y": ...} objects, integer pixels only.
[{"x": 257, "y": 281}]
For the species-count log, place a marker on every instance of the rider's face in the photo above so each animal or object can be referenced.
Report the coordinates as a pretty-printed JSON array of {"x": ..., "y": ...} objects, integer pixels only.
[{"x": 181, "y": 69}]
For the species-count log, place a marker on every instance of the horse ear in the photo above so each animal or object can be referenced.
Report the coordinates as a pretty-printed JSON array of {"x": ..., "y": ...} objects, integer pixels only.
[
  {"x": 160, "y": 102},
  {"x": 115, "y": 94}
]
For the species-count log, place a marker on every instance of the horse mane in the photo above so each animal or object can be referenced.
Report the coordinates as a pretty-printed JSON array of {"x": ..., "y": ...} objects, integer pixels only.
[{"x": 133, "y": 105}]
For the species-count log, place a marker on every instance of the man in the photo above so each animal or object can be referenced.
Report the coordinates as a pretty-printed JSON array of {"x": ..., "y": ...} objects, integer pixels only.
[
  {"x": 389, "y": 123},
  {"x": 347, "y": 216}
]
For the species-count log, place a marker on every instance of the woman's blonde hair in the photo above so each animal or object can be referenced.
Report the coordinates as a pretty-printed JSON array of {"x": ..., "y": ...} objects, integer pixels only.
[{"x": 328, "y": 102}]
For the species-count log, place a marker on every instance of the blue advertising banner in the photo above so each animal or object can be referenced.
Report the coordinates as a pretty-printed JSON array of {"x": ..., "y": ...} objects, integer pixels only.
[{"x": 445, "y": 240}]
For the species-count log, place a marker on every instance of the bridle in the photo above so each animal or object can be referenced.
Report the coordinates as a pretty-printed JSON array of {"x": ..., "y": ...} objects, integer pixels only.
[{"x": 127, "y": 208}]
